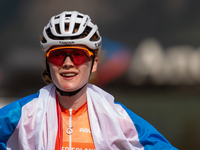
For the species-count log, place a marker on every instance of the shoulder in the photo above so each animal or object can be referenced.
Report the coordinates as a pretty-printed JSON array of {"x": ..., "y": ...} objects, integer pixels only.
[
  {"x": 128, "y": 121},
  {"x": 148, "y": 136},
  {"x": 10, "y": 116},
  {"x": 14, "y": 109},
  {"x": 18, "y": 104}
]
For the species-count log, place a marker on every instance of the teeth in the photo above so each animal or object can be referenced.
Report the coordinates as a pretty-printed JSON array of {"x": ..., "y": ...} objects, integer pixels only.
[{"x": 68, "y": 74}]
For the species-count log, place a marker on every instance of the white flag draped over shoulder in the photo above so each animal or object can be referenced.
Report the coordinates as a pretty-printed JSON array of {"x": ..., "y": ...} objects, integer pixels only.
[{"x": 31, "y": 123}]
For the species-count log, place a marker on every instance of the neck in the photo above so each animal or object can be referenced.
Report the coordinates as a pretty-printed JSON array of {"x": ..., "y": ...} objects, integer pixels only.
[
  {"x": 73, "y": 102},
  {"x": 63, "y": 93}
]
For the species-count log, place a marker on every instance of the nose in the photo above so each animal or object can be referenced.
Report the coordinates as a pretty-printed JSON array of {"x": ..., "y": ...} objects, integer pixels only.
[{"x": 68, "y": 61}]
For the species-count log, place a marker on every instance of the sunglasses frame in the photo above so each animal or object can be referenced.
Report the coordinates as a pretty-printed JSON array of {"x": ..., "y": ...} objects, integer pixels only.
[
  {"x": 87, "y": 51},
  {"x": 69, "y": 47}
]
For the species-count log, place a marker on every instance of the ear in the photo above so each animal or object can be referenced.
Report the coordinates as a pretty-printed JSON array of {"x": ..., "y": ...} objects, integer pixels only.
[{"x": 95, "y": 64}]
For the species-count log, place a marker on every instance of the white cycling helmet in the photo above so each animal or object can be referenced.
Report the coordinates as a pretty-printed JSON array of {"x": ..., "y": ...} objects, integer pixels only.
[{"x": 70, "y": 28}]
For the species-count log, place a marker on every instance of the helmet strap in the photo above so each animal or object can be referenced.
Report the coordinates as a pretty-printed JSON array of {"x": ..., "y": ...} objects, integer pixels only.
[
  {"x": 91, "y": 66},
  {"x": 64, "y": 93}
]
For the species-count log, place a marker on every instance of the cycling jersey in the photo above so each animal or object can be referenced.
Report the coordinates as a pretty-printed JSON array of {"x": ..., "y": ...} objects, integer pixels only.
[
  {"x": 81, "y": 137},
  {"x": 35, "y": 123}
]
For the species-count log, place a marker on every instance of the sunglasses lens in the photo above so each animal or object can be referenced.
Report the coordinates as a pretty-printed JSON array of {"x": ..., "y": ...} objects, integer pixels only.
[
  {"x": 56, "y": 57},
  {"x": 78, "y": 56}
]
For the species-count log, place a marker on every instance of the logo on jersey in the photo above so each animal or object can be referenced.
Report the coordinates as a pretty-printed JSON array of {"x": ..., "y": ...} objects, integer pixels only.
[{"x": 85, "y": 130}]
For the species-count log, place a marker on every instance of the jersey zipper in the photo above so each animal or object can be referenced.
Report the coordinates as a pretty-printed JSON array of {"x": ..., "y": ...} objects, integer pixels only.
[{"x": 70, "y": 125}]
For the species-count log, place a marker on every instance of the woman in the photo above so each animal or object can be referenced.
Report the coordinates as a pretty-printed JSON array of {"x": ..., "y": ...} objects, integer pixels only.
[{"x": 69, "y": 113}]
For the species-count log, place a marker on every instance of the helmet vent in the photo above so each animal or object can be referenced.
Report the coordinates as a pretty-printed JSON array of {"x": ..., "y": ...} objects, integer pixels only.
[
  {"x": 77, "y": 25},
  {"x": 50, "y": 35},
  {"x": 79, "y": 16},
  {"x": 95, "y": 37},
  {"x": 57, "y": 28},
  {"x": 68, "y": 15},
  {"x": 66, "y": 27},
  {"x": 56, "y": 17},
  {"x": 43, "y": 40}
]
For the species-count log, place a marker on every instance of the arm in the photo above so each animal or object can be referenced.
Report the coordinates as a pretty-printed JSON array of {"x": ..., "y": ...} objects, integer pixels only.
[{"x": 9, "y": 117}]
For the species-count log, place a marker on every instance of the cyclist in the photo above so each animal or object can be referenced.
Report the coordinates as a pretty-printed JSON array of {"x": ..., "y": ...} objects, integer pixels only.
[{"x": 69, "y": 113}]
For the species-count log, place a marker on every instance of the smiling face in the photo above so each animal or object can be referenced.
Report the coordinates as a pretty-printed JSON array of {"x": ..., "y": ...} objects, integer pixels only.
[{"x": 69, "y": 76}]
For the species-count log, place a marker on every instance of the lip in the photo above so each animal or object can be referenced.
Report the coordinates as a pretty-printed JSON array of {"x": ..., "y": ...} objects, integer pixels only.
[{"x": 68, "y": 75}]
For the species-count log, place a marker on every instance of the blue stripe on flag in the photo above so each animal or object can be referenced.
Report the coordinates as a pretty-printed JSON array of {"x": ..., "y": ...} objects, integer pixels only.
[{"x": 9, "y": 118}]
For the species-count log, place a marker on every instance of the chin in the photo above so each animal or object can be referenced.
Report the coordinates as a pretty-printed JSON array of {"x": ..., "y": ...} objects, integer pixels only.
[{"x": 68, "y": 88}]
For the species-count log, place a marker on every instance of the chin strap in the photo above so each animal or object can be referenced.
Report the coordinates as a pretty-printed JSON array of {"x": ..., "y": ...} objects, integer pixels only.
[{"x": 63, "y": 93}]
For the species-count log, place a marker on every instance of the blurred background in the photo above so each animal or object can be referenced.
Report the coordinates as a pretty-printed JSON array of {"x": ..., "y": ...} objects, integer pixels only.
[{"x": 151, "y": 64}]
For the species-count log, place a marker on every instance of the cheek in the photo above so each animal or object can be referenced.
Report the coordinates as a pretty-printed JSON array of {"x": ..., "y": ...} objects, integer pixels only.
[
  {"x": 53, "y": 69},
  {"x": 85, "y": 69}
]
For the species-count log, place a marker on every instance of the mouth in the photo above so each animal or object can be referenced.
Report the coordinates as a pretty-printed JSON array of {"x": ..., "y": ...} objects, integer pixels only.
[{"x": 68, "y": 74}]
